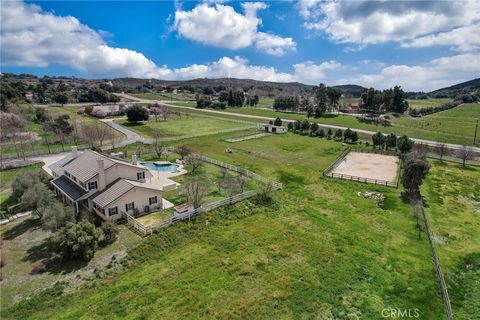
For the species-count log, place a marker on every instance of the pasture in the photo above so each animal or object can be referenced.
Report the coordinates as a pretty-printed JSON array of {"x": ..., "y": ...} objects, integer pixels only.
[
  {"x": 452, "y": 204},
  {"x": 419, "y": 104},
  {"x": 456, "y": 125},
  {"x": 316, "y": 249},
  {"x": 183, "y": 124}
]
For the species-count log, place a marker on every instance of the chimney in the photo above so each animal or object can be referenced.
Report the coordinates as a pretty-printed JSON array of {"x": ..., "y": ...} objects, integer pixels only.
[
  {"x": 134, "y": 159},
  {"x": 74, "y": 152},
  {"x": 101, "y": 175}
]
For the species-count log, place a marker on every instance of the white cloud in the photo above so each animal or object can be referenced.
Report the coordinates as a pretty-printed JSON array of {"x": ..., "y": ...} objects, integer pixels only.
[
  {"x": 221, "y": 26},
  {"x": 435, "y": 74},
  {"x": 309, "y": 72},
  {"x": 462, "y": 39},
  {"x": 370, "y": 22},
  {"x": 31, "y": 37}
]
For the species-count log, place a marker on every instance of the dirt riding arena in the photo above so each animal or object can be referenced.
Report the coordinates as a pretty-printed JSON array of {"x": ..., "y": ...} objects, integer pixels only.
[{"x": 367, "y": 167}]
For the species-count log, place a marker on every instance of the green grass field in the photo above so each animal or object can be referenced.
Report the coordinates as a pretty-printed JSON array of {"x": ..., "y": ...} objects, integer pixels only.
[
  {"x": 187, "y": 124},
  {"x": 317, "y": 251},
  {"x": 164, "y": 96},
  {"x": 456, "y": 125},
  {"x": 419, "y": 104},
  {"x": 452, "y": 197}
]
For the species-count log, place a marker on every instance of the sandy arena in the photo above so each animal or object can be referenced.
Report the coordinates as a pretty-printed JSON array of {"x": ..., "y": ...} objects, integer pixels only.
[{"x": 369, "y": 165}]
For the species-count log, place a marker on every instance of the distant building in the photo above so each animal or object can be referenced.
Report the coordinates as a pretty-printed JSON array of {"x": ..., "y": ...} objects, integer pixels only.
[{"x": 272, "y": 128}]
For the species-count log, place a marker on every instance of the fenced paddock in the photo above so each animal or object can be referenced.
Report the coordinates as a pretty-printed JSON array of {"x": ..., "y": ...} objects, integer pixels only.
[
  {"x": 366, "y": 165},
  {"x": 146, "y": 230}
]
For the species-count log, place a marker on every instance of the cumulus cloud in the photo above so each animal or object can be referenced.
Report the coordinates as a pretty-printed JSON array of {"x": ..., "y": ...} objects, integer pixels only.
[
  {"x": 435, "y": 74},
  {"x": 31, "y": 37},
  {"x": 371, "y": 22},
  {"x": 464, "y": 39},
  {"x": 221, "y": 26}
]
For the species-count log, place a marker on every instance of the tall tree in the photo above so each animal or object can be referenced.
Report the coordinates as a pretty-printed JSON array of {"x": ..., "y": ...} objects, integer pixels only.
[{"x": 320, "y": 100}]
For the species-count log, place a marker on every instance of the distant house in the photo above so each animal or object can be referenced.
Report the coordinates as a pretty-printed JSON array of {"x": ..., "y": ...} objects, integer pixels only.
[
  {"x": 104, "y": 185},
  {"x": 272, "y": 128},
  {"x": 352, "y": 108}
]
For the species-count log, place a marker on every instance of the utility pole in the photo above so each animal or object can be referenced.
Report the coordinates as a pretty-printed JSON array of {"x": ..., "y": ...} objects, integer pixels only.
[{"x": 475, "y": 135}]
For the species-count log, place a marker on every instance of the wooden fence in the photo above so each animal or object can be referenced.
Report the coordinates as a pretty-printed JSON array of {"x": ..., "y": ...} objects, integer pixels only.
[
  {"x": 148, "y": 230},
  {"x": 436, "y": 263}
]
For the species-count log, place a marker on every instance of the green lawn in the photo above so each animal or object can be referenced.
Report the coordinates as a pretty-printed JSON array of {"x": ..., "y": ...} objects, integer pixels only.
[
  {"x": 456, "y": 125},
  {"x": 187, "y": 124},
  {"x": 317, "y": 251},
  {"x": 419, "y": 104},
  {"x": 452, "y": 197}
]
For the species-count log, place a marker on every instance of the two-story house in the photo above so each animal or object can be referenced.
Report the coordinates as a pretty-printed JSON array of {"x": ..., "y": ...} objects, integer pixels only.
[{"x": 104, "y": 185}]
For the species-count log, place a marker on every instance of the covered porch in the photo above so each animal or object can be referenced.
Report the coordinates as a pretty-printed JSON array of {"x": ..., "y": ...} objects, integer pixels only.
[{"x": 69, "y": 192}]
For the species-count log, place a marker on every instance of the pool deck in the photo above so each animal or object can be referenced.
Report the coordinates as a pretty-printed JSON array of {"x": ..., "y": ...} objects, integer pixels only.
[{"x": 162, "y": 178}]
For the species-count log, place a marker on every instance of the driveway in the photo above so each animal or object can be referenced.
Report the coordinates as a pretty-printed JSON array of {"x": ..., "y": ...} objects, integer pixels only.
[{"x": 131, "y": 136}]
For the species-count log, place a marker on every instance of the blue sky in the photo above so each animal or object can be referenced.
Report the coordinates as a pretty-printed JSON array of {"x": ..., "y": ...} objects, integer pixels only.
[{"x": 421, "y": 45}]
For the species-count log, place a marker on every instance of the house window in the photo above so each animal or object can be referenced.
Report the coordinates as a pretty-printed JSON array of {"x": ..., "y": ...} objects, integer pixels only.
[
  {"x": 140, "y": 175},
  {"x": 74, "y": 179},
  {"x": 129, "y": 206},
  {"x": 112, "y": 211},
  {"x": 152, "y": 200},
  {"x": 92, "y": 185},
  {"x": 67, "y": 174}
]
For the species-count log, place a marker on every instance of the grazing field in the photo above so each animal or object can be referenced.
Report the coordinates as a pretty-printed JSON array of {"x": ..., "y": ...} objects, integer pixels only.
[
  {"x": 186, "y": 124},
  {"x": 24, "y": 244},
  {"x": 164, "y": 96},
  {"x": 452, "y": 198},
  {"x": 419, "y": 104},
  {"x": 317, "y": 250},
  {"x": 456, "y": 125}
]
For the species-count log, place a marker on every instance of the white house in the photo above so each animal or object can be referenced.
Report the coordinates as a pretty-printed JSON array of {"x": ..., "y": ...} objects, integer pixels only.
[
  {"x": 273, "y": 129},
  {"x": 105, "y": 185}
]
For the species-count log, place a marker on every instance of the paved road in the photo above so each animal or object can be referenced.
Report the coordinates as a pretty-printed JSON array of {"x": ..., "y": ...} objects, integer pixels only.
[{"x": 131, "y": 137}]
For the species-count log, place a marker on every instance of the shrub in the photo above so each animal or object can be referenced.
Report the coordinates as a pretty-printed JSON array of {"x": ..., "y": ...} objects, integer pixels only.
[
  {"x": 110, "y": 232},
  {"x": 404, "y": 144},
  {"x": 98, "y": 113},
  {"x": 56, "y": 216},
  {"x": 88, "y": 110},
  {"x": 76, "y": 240}
]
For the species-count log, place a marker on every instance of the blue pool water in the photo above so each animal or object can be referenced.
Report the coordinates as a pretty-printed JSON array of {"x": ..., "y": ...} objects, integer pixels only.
[{"x": 167, "y": 167}]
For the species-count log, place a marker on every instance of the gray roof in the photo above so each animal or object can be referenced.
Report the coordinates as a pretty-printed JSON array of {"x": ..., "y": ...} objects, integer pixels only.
[
  {"x": 118, "y": 189},
  {"x": 85, "y": 166},
  {"x": 56, "y": 166},
  {"x": 72, "y": 190}
]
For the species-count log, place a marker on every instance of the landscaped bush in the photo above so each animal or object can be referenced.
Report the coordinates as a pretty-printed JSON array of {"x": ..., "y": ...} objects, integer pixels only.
[
  {"x": 110, "y": 232},
  {"x": 76, "y": 240}
]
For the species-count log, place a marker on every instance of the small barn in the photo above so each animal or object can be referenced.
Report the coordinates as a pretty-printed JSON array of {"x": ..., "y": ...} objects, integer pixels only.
[{"x": 273, "y": 128}]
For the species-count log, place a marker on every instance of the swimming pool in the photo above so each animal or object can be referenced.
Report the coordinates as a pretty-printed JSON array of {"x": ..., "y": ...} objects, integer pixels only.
[{"x": 162, "y": 167}]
